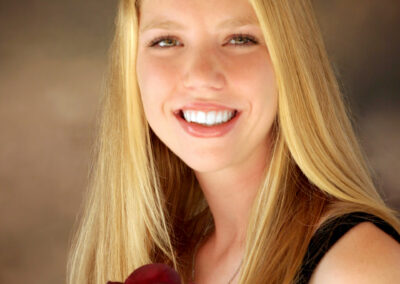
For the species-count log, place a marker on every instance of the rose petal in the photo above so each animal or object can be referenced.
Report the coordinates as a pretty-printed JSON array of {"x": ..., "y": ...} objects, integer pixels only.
[{"x": 155, "y": 273}]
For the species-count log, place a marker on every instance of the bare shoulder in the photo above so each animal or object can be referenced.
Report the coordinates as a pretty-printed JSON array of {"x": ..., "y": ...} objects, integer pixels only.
[{"x": 365, "y": 254}]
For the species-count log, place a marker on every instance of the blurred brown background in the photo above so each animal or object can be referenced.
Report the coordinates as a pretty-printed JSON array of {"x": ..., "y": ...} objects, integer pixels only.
[{"x": 52, "y": 60}]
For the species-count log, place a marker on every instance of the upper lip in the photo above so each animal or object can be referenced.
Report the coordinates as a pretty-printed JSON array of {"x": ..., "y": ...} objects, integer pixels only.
[{"x": 205, "y": 106}]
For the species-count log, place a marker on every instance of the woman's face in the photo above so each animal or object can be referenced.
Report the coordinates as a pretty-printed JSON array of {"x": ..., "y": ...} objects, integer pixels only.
[{"x": 207, "y": 93}]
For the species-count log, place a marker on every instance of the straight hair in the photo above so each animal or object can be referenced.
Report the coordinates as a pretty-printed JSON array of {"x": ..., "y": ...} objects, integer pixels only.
[{"x": 145, "y": 205}]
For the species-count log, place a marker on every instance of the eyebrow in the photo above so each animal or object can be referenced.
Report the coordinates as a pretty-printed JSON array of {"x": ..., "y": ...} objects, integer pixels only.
[{"x": 169, "y": 24}]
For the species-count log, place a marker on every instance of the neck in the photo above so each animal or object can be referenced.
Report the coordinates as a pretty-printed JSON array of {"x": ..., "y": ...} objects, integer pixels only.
[{"x": 230, "y": 194}]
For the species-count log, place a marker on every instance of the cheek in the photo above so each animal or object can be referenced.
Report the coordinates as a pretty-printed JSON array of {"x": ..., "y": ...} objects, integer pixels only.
[
  {"x": 154, "y": 73},
  {"x": 256, "y": 83},
  {"x": 254, "y": 79},
  {"x": 156, "y": 79},
  {"x": 265, "y": 95}
]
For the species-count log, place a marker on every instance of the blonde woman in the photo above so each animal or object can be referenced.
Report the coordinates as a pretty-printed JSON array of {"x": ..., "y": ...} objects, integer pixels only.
[{"x": 224, "y": 151}]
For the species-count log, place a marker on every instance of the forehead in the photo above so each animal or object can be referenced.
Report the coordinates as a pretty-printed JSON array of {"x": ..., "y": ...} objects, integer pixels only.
[{"x": 181, "y": 13}]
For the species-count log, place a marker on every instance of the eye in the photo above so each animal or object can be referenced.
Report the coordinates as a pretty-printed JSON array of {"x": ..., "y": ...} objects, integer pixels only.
[
  {"x": 168, "y": 41},
  {"x": 246, "y": 39},
  {"x": 165, "y": 41}
]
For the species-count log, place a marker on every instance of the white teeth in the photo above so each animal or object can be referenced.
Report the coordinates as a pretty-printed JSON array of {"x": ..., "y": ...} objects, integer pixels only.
[
  {"x": 225, "y": 116},
  {"x": 208, "y": 118},
  {"x": 218, "y": 119},
  {"x": 192, "y": 116},
  {"x": 187, "y": 116},
  {"x": 200, "y": 117},
  {"x": 211, "y": 118}
]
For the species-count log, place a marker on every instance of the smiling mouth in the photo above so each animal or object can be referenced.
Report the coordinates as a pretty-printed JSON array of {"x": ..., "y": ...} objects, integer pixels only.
[{"x": 208, "y": 118}]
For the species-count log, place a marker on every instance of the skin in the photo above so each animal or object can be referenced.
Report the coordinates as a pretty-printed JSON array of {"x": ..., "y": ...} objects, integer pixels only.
[
  {"x": 365, "y": 255},
  {"x": 207, "y": 64}
]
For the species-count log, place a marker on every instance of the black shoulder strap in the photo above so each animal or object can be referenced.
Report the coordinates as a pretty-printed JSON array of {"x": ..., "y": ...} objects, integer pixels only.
[{"x": 330, "y": 232}]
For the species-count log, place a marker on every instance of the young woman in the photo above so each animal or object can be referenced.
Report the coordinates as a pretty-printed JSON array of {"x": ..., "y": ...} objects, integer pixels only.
[{"x": 225, "y": 151}]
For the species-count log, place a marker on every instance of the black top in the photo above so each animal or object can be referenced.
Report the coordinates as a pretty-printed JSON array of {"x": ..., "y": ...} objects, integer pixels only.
[{"x": 330, "y": 232}]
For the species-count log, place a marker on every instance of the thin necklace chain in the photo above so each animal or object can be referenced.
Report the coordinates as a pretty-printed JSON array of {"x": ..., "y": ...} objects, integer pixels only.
[{"x": 195, "y": 253}]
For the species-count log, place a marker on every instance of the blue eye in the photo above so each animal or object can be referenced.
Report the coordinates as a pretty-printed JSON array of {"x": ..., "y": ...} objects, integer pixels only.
[{"x": 168, "y": 41}]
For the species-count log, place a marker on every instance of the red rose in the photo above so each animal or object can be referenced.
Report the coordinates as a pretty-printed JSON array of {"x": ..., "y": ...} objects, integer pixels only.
[{"x": 155, "y": 273}]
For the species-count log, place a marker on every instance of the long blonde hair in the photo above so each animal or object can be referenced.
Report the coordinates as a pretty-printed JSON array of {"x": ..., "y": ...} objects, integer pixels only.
[{"x": 144, "y": 204}]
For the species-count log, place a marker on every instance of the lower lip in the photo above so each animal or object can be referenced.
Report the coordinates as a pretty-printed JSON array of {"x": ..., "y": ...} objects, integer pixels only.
[{"x": 198, "y": 130}]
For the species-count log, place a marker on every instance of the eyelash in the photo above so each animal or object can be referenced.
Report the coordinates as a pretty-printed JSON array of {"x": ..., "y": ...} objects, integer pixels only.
[{"x": 159, "y": 39}]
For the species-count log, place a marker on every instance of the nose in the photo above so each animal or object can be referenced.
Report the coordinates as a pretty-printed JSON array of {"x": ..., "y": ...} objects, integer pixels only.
[{"x": 203, "y": 70}]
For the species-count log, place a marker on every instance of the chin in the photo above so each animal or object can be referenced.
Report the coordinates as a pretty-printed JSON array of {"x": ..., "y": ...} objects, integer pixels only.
[{"x": 206, "y": 163}]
